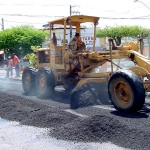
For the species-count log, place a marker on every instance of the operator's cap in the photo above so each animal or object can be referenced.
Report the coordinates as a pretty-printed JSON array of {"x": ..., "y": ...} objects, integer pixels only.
[{"x": 77, "y": 34}]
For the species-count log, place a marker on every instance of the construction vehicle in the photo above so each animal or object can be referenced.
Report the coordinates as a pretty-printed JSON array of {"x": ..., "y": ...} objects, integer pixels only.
[{"x": 60, "y": 65}]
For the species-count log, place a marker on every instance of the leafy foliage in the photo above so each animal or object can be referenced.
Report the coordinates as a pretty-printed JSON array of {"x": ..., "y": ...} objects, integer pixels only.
[
  {"x": 20, "y": 39},
  {"x": 32, "y": 59},
  {"x": 122, "y": 31}
]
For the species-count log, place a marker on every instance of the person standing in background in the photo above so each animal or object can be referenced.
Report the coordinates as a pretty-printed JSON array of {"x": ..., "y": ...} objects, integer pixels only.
[
  {"x": 9, "y": 67},
  {"x": 16, "y": 64},
  {"x": 54, "y": 39}
]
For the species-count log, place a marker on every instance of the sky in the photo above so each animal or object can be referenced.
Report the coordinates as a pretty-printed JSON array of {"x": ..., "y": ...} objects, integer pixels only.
[{"x": 38, "y": 13}]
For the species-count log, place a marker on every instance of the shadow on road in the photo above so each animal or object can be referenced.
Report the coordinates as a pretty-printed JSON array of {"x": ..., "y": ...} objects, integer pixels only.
[
  {"x": 58, "y": 96},
  {"x": 97, "y": 93}
]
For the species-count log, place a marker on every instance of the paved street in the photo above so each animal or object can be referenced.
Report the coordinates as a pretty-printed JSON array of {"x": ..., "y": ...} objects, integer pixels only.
[{"x": 85, "y": 124}]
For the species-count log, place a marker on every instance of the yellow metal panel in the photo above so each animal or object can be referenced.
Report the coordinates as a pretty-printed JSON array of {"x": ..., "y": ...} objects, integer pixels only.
[
  {"x": 75, "y": 19},
  {"x": 139, "y": 59},
  {"x": 90, "y": 80},
  {"x": 43, "y": 65},
  {"x": 95, "y": 75},
  {"x": 140, "y": 71},
  {"x": 59, "y": 66}
]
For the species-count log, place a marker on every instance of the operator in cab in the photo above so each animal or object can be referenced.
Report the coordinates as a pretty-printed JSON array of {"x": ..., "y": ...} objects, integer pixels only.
[{"x": 76, "y": 44}]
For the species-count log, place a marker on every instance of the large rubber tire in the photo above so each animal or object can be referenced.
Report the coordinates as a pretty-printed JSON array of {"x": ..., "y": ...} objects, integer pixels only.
[
  {"x": 74, "y": 98},
  {"x": 83, "y": 96},
  {"x": 28, "y": 80},
  {"x": 45, "y": 83},
  {"x": 126, "y": 91}
]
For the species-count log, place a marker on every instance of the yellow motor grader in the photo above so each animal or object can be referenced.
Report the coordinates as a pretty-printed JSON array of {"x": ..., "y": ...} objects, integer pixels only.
[{"x": 72, "y": 68}]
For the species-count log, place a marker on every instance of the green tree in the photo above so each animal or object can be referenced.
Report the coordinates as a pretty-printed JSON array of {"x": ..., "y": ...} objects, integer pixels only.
[
  {"x": 32, "y": 59},
  {"x": 20, "y": 39},
  {"x": 122, "y": 31}
]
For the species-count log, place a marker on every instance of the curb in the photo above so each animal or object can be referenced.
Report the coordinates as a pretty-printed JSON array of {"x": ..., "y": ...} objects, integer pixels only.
[{"x": 16, "y": 79}]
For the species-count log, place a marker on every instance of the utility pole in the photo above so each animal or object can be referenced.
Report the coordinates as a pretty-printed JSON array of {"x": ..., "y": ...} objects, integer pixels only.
[
  {"x": 70, "y": 25},
  {"x": 72, "y": 12},
  {"x": 2, "y": 24}
]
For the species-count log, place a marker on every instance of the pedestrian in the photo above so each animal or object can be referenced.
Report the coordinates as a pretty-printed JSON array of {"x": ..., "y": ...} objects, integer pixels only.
[
  {"x": 16, "y": 64},
  {"x": 9, "y": 67}
]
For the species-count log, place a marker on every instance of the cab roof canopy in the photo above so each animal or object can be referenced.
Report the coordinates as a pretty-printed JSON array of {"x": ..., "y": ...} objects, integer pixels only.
[{"x": 74, "y": 20}]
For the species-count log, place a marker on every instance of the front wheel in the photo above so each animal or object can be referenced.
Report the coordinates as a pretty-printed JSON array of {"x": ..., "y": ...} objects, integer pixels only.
[
  {"x": 126, "y": 91},
  {"x": 45, "y": 82}
]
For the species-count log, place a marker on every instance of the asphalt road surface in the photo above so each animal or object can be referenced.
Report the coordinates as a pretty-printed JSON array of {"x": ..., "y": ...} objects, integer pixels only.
[{"x": 96, "y": 123}]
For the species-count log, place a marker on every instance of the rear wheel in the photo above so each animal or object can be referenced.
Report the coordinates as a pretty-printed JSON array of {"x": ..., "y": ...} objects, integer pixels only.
[
  {"x": 126, "y": 91},
  {"x": 45, "y": 82},
  {"x": 28, "y": 80}
]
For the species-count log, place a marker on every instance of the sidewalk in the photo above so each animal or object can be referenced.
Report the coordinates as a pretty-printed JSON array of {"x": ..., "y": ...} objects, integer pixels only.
[{"x": 3, "y": 73}]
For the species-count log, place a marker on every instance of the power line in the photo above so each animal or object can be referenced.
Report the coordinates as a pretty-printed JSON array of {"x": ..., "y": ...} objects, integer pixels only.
[
  {"x": 47, "y": 5},
  {"x": 23, "y": 22},
  {"x": 66, "y": 5},
  {"x": 134, "y": 18},
  {"x": 107, "y": 18},
  {"x": 47, "y": 16},
  {"x": 55, "y": 5},
  {"x": 24, "y": 15}
]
